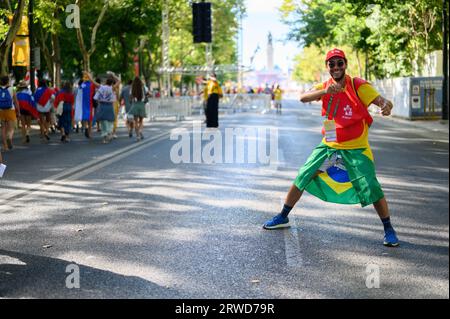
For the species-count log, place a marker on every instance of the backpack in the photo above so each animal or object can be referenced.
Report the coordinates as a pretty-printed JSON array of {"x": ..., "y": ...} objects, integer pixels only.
[{"x": 6, "y": 101}]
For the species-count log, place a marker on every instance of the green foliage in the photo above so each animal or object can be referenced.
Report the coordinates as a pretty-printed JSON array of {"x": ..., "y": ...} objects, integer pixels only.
[
  {"x": 6, "y": 11},
  {"x": 124, "y": 24},
  {"x": 3, "y": 23},
  {"x": 395, "y": 35},
  {"x": 308, "y": 67},
  {"x": 310, "y": 64},
  {"x": 127, "y": 26},
  {"x": 184, "y": 52}
]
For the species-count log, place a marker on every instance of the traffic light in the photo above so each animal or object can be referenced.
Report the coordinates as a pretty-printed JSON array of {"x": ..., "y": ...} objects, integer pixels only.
[{"x": 201, "y": 22}]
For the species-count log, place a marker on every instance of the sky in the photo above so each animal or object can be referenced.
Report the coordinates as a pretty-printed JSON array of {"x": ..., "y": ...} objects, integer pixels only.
[{"x": 262, "y": 18}]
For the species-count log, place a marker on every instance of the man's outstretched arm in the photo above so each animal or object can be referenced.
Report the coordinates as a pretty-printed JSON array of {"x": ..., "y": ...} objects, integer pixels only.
[
  {"x": 385, "y": 105},
  {"x": 316, "y": 95}
]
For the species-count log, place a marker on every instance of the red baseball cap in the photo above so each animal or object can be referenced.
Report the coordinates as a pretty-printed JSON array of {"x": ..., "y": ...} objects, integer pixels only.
[{"x": 335, "y": 53}]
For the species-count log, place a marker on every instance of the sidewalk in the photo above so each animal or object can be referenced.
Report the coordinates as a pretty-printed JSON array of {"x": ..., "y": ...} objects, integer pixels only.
[{"x": 440, "y": 126}]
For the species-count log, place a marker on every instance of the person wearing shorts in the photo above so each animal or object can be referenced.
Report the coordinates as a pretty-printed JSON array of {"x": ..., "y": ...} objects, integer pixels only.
[{"x": 9, "y": 108}]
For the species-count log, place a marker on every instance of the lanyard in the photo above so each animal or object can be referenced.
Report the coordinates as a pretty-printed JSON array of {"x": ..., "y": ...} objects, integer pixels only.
[{"x": 329, "y": 107}]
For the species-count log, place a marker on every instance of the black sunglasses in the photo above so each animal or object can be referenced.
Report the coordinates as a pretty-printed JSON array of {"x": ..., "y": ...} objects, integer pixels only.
[{"x": 332, "y": 64}]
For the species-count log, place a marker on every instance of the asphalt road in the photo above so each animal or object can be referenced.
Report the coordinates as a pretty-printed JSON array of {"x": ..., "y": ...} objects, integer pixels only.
[{"x": 138, "y": 225}]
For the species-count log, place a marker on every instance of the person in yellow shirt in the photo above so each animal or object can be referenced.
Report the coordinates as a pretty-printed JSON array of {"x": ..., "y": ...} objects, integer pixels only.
[
  {"x": 278, "y": 95},
  {"x": 204, "y": 95},
  {"x": 341, "y": 167},
  {"x": 212, "y": 107}
]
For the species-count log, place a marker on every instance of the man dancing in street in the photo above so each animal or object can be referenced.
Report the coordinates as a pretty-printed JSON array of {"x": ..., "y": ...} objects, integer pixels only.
[{"x": 341, "y": 168}]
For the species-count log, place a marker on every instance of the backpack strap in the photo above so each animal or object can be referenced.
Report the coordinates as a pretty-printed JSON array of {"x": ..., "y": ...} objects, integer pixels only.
[{"x": 356, "y": 83}]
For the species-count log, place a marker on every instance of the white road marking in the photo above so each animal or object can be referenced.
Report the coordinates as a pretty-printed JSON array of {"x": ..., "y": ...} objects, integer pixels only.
[
  {"x": 76, "y": 172},
  {"x": 292, "y": 246}
]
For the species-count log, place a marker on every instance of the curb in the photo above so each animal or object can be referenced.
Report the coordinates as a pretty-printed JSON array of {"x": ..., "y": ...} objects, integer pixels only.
[{"x": 441, "y": 126}]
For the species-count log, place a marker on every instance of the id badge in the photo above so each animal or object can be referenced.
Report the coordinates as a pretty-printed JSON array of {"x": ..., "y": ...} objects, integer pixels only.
[{"x": 330, "y": 130}]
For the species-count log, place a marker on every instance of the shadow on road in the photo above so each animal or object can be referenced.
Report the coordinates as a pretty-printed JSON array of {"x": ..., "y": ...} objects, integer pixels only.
[{"x": 30, "y": 276}]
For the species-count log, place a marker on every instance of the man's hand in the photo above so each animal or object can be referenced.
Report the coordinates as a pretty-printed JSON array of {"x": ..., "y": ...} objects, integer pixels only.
[
  {"x": 87, "y": 74},
  {"x": 386, "y": 107},
  {"x": 334, "y": 88}
]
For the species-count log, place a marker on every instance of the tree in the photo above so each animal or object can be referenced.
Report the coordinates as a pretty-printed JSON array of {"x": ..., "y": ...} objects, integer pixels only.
[
  {"x": 183, "y": 52},
  {"x": 113, "y": 32},
  {"x": 310, "y": 63},
  {"x": 130, "y": 28},
  {"x": 85, "y": 52},
  {"x": 49, "y": 27},
  {"x": 308, "y": 68},
  {"x": 391, "y": 34},
  {"x": 10, "y": 35}
]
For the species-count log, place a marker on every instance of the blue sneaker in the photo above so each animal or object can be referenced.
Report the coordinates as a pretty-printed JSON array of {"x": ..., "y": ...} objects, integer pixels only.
[
  {"x": 277, "y": 222},
  {"x": 390, "y": 238}
]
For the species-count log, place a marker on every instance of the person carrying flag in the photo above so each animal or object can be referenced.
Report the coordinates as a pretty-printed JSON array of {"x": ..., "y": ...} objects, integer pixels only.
[
  {"x": 27, "y": 109},
  {"x": 44, "y": 97},
  {"x": 66, "y": 97},
  {"x": 84, "y": 102},
  {"x": 341, "y": 167}
]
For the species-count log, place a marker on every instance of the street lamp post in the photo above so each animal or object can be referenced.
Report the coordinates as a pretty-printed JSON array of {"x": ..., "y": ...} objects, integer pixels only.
[
  {"x": 445, "y": 60},
  {"x": 165, "y": 47},
  {"x": 240, "y": 52}
]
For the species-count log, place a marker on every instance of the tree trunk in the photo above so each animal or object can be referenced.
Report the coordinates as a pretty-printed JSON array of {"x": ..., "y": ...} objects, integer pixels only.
[
  {"x": 158, "y": 77},
  {"x": 152, "y": 67},
  {"x": 359, "y": 64},
  {"x": 44, "y": 49},
  {"x": 4, "y": 60},
  {"x": 123, "y": 44},
  {"x": 366, "y": 67},
  {"x": 56, "y": 55},
  {"x": 7, "y": 42},
  {"x": 87, "y": 62},
  {"x": 147, "y": 74},
  {"x": 56, "y": 61},
  {"x": 85, "y": 53}
]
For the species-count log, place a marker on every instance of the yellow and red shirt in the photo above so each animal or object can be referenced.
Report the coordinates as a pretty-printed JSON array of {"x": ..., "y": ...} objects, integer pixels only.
[{"x": 366, "y": 94}]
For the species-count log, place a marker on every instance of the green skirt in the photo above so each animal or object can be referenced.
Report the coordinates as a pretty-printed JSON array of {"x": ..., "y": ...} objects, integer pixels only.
[
  {"x": 355, "y": 183},
  {"x": 138, "y": 109}
]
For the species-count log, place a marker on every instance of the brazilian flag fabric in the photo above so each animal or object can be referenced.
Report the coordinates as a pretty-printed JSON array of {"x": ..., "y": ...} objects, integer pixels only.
[{"x": 352, "y": 182}]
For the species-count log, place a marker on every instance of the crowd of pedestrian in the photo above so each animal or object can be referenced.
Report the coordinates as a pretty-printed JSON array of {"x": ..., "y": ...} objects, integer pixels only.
[
  {"x": 92, "y": 103},
  {"x": 95, "y": 104}
]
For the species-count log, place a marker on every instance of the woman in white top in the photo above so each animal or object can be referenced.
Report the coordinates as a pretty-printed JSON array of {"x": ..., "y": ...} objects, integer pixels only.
[{"x": 105, "y": 97}]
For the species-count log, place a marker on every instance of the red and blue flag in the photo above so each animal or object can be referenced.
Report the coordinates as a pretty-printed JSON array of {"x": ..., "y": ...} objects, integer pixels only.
[{"x": 26, "y": 102}]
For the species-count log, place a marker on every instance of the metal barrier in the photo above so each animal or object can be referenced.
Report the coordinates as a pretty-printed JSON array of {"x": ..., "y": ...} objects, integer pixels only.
[
  {"x": 184, "y": 106},
  {"x": 178, "y": 107},
  {"x": 232, "y": 103}
]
